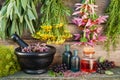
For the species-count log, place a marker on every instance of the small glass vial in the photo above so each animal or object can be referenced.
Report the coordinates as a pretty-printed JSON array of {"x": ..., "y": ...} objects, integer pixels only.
[
  {"x": 88, "y": 62},
  {"x": 66, "y": 57},
  {"x": 75, "y": 62}
]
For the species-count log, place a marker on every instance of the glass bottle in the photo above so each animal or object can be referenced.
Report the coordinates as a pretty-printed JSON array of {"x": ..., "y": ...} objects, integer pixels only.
[
  {"x": 88, "y": 62},
  {"x": 75, "y": 62},
  {"x": 18, "y": 40},
  {"x": 66, "y": 56}
]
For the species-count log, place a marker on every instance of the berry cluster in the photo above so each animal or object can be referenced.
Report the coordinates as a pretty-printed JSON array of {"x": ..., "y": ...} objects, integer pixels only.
[
  {"x": 103, "y": 66},
  {"x": 59, "y": 68},
  {"x": 37, "y": 47}
]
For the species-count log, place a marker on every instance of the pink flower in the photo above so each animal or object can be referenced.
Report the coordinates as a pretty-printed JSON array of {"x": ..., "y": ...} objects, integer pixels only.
[
  {"x": 87, "y": 19},
  {"x": 92, "y": 8},
  {"x": 102, "y": 38},
  {"x": 86, "y": 30},
  {"x": 91, "y": 43},
  {"x": 78, "y": 4},
  {"x": 94, "y": 36},
  {"x": 85, "y": 16},
  {"x": 98, "y": 30},
  {"x": 77, "y": 8},
  {"x": 101, "y": 19},
  {"x": 76, "y": 12},
  {"x": 89, "y": 23},
  {"x": 77, "y": 36},
  {"x": 77, "y": 21}
]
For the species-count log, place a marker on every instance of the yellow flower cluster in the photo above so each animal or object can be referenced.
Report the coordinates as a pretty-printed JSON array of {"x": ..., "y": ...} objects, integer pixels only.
[
  {"x": 46, "y": 28},
  {"x": 59, "y": 25},
  {"x": 44, "y": 36},
  {"x": 55, "y": 34}
]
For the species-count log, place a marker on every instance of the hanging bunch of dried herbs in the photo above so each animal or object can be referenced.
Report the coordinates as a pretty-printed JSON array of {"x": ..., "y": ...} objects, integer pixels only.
[
  {"x": 53, "y": 20},
  {"x": 16, "y": 16},
  {"x": 87, "y": 21},
  {"x": 112, "y": 30}
]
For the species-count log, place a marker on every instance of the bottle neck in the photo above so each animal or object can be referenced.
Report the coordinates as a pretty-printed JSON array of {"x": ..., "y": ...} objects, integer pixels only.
[
  {"x": 75, "y": 52},
  {"x": 67, "y": 47}
]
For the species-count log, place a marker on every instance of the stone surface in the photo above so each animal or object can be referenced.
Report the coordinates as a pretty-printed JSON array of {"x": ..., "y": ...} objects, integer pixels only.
[{"x": 22, "y": 76}]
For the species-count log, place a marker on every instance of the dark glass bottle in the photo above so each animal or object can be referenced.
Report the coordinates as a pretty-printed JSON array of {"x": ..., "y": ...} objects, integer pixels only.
[
  {"x": 66, "y": 57},
  {"x": 75, "y": 62},
  {"x": 18, "y": 40}
]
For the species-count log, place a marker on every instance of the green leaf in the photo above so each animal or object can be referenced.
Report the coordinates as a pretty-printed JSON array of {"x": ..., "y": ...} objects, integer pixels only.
[
  {"x": 17, "y": 28},
  {"x": 51, "y": 73},
  {"x": 21, "y": 19},
  {"x": 109, "y": 72},
  {"x": 47, "y": 2},
  {"x": 17, "y": 3},
  {"x": 11, "y": 14},
  {"x": 17, "y": 11},
  {"x": 42, "y": 10},
  {"x": 13, "y": 27},
  {"x": 3, "y": 10},
  {"x": 24, "y": 3},
  {"x": 101, "y": 59},
  {"x": 9, "y": 8},
  {"x": 83, "y": 39},
  {"x": 34, "y": 10},
  {"x": 31, "y": 15},
  {"x": 30, "y": 27},
  {"x": 21, "y": 27},
  {"x": 3, "y": 28}
]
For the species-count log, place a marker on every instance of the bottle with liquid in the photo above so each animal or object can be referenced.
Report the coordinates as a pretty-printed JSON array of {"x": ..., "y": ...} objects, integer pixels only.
[
  {"x": 18, "y": 40},
  {"x": 88, "y": 62},
  {"x": 75, "y": 62},
  {"x": 66, "y": 56}
]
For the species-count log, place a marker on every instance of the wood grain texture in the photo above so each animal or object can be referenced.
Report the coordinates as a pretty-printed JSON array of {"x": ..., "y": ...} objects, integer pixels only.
[{"x": 99, "y": 50}]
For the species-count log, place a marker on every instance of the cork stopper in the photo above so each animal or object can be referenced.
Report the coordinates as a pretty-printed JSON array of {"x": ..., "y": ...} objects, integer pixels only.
[{"x": 88, "y": 50}]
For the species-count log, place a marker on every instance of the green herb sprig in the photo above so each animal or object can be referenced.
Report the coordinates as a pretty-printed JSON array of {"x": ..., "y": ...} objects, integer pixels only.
[
  {"x": 53, "y": 21},
  {"x": 54, "y": 11},
  {"x": 112, "y": 30},
  {"x": 16, "y": 16},
  {"x": 8, "y": 61}
]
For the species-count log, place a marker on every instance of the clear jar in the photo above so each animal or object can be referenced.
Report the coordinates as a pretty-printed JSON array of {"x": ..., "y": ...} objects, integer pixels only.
[{"x": 88, "y": 62}]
